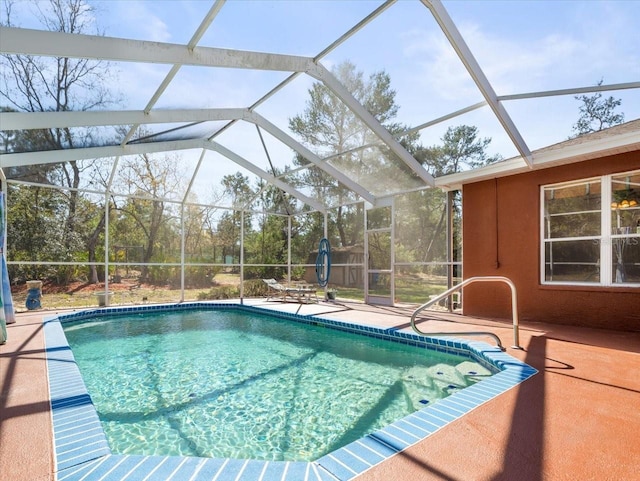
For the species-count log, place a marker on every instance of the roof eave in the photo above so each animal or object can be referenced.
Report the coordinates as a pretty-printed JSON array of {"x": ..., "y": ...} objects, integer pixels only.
[{"x": 544, "y": 159}]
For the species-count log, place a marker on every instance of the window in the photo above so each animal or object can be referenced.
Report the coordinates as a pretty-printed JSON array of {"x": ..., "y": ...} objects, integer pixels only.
[{"x": 591, "y": 231}]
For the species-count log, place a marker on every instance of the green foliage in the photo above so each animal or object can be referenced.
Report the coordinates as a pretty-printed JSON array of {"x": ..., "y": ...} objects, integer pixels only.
[
  {"x": 68, "y": 225},
  {"x": 219, "y": 292},
  {"x": 255, "y": 288},
  {"x": 37, "y": 226},
  {"x": 597, "y": 113},
  {"x": 237, "y": 187},
  {"x": 56, "y": 84},
  {"x": 264, "y": 272},
  {"x": 162, "y": 276},
  {"x": 297, "y": 273},
  {"x": 329, "y": 127},
  {"x": 421, "y": 226},
  {"x": 461, "y": 149},
  {"x": 307, "y": 230},
  {"x": 201, "y": 276}
]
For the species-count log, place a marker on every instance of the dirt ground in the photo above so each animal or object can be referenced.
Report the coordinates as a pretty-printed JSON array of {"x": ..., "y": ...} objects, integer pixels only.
[
  {"x": 78, "y": 287},
  {"x": 80, "y": 294}
]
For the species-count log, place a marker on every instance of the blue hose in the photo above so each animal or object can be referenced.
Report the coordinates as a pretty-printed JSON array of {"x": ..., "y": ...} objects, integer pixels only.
[{"x": 323, "y": 262}]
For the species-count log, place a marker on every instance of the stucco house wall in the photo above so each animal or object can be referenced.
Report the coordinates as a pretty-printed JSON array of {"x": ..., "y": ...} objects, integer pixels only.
[{"x": 501, "y": 237}]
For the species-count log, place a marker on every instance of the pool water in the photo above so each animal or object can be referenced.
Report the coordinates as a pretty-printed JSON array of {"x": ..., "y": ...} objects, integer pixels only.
[{"x": 230, "y": 384}]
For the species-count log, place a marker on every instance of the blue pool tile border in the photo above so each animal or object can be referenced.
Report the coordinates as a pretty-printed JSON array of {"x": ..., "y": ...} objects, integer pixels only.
[{"x": 82, "y": 451}]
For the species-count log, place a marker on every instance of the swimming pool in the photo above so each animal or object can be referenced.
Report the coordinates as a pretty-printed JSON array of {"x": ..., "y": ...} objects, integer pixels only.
[
  {"x": 232, "y": 384},
  {"x": 82, "y": 449}
]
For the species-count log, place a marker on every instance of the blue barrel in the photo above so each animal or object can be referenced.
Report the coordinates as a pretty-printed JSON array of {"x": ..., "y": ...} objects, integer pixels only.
[{"x": 33, "y": 298}]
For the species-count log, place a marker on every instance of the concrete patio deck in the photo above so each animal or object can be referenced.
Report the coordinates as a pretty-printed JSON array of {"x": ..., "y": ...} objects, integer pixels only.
[{"x": 578, "y": 418}]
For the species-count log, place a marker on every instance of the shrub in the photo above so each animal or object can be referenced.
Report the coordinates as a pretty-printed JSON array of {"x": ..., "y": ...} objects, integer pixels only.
[
  {"x": 201, "y": 276},
  {"x": 255, "y": 288},
  {"x": 252, "y": 288},
  {"x": 220, "y": 292}
]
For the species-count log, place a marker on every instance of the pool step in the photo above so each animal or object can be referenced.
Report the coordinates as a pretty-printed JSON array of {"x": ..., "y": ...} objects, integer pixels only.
[
  {"x": 419, "y": 387},
  {"x": 473, "y": 371},
  {"x": 425, "y": 385}
]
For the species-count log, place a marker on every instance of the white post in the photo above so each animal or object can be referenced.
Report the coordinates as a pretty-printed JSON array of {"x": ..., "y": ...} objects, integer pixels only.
[
  {"x": 182, "y": 254},
  {"x": 289, "y": 248},
  {"x": 106, "y": 229},
  {"x": 392, "y": 247},
  {"x": 107, "y": 297},
  {"x": 241, "y": 256}
]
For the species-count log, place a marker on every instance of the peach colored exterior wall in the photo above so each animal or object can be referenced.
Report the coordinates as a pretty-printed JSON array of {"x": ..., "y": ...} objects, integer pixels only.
[{"x": 501, "y": 237}]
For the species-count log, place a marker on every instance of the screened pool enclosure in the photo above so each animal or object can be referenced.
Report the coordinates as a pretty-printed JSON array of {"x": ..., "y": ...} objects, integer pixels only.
[{"x": 188, "y": 150}]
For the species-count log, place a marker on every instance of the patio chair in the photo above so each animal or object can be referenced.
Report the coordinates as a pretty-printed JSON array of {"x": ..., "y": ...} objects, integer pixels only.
[
  {"x": 296, "y": 293},
  {"x": 275, "y": 289}
]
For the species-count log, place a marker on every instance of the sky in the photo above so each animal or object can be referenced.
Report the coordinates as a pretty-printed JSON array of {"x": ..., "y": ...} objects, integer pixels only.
[{"x": 521, "y": 46}]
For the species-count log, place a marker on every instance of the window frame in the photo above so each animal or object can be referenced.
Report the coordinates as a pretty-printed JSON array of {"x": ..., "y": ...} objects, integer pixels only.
[{"x": 605, "y": 238}]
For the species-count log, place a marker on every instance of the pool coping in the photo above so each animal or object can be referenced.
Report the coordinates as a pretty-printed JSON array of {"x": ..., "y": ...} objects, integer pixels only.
[{"x": 82, "y": 452}]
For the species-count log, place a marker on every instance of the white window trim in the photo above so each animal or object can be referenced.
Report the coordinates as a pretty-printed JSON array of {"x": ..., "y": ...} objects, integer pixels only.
[
  {"x": 606, "y": 261},
  {"x": 605, "y": 238}
]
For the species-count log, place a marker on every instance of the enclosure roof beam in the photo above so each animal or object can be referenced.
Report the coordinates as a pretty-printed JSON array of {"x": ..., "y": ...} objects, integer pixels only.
[
  {"x": 321, "y": 73},
  {"x": 310, "y": 156},
  {"x": 444, "y": 118},
  {"x": 571, "y": 91},
  {"x": 335, "y": 44},
  {"x": 58, "y": 120},
  {"x": 41, "y": 120},
  {"x": 193, "y": 177},
  {"x": 22, "y": 41},
  {"x": 244, "y": 163},
  {"x": 67, "y": 155},
  {"x": 456, "y": 40},
  {"x": 200, "y": 31}
]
